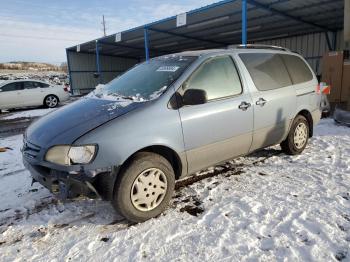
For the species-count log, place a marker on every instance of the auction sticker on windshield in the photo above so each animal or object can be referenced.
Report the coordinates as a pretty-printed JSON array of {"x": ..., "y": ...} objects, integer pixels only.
[{"x": 168, "y": 69}]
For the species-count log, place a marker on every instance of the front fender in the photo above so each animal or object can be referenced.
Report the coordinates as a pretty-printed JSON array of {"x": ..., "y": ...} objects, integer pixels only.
[{"x": 153, "y": 124}]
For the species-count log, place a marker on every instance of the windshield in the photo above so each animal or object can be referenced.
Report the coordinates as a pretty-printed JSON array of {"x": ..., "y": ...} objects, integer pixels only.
[{"x": 146, "y": 81}]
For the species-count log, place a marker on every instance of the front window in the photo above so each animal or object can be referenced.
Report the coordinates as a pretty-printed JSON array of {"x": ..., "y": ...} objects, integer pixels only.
[
  {"x": 217, "y": 76},
  {"x": 15, "y": 86},
  {"x": 146, "y": 81}
]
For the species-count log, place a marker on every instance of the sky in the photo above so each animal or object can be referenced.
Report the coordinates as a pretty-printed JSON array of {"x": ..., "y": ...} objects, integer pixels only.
[{"x": 40, "y": 30}]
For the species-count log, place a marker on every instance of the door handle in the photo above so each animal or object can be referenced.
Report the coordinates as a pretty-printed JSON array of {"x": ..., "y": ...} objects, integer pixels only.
[
  {"x": 261, "y": 102},
  {"x": 244, "y": 106}
]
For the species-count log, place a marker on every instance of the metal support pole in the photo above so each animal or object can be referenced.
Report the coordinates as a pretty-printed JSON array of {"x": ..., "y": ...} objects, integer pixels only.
[
  {"x": 145, "y": 32},
  {"x": 334, "y": 41},
  {"x": 69, "y": 72},
  {"x": 244, "y": 22},
  {"x": 329, "y": 44},
  {"x": 347, "y": 25},
  {"x": 98, "y": 62}
]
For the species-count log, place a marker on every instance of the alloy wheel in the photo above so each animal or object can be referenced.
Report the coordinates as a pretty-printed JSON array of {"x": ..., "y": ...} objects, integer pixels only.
[{"x": 51, "y": 101}]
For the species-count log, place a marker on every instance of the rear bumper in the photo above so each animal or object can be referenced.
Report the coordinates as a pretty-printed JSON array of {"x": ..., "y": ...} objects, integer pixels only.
[
  {"x": 316, "y": 116},
  {"x": 64, "y": 97}
]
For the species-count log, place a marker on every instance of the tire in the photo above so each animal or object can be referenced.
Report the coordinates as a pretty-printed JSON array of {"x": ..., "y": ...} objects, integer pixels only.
[
  {"x": 298, "y": 136},
  {"x": 144, "y": 188},
  {"x": 51, "y": 101}
]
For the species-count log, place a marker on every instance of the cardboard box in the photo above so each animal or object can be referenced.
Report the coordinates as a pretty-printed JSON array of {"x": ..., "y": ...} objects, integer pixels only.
[
  {"x": 345, "y": 90},
  {"x": 332, "y": 74}
]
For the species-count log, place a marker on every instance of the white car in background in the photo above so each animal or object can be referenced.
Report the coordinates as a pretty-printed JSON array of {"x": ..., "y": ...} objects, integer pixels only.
[{"x": 25, "y": 93}]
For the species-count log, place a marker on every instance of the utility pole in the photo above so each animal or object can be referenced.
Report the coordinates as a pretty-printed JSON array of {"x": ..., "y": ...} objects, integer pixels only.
[{"x": 104, "y": 25}]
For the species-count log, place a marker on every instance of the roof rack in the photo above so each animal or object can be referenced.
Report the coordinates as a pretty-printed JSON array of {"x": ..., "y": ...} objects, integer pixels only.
[{"x": 259, "y": 46}]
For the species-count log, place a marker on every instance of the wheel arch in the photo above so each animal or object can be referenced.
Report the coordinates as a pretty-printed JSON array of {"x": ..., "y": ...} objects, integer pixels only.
[
  {"x": 108, "y": 182},
  {"x": 168, "y": 153}
]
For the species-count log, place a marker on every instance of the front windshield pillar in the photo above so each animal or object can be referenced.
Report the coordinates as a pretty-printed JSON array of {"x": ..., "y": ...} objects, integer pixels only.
[{"x": 145, "y": 33}]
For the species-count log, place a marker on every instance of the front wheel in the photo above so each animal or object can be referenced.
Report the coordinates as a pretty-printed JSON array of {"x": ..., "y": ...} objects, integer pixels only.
[
  {"x": 51, "y": 101},
  {"x": 298, "y": 136},
  {"x": 144, "y": 188}
]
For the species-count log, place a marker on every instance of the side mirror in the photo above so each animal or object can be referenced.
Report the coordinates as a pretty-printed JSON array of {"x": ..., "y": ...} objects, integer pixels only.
[{"x": 194, "y": 97}]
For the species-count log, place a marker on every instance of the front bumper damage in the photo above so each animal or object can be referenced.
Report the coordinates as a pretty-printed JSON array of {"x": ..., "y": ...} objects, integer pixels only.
[
  {"x": 68, "y": 182},
  {"x": 63, "y": 184}
]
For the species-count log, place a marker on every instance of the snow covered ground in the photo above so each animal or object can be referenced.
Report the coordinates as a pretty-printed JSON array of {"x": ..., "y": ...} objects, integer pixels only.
[
  {"x": 27, "y": 113},
  {"x": 264, "y": 207}
]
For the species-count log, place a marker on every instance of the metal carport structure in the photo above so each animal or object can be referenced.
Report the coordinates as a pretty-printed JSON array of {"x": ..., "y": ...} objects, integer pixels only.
[{"x": 218, "y": 25}]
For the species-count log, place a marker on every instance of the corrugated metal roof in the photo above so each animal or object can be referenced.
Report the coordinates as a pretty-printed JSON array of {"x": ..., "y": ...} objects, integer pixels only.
[{"x": 219, "y": 25}]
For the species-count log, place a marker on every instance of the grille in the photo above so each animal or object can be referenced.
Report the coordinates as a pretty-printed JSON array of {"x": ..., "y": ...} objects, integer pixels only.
[{"x": 30, "y": 150}]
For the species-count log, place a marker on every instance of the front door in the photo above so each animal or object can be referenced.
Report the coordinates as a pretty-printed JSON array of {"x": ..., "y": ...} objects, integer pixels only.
[
  {"x": 11, "y": 95},
  {"x": 221, "y": 128}
]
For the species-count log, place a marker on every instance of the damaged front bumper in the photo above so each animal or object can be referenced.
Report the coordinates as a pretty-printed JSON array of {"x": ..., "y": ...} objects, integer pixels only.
[
  {"x": 68, "y": 182},
  {"x": 63, "y": 184}
]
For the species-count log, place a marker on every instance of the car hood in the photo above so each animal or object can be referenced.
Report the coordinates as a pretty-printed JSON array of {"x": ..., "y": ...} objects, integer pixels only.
[{"x": 70, "y": 122}]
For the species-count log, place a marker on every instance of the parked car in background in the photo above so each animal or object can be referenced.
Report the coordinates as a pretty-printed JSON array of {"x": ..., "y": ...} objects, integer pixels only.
[
  {"x": 130, "y": 140},
  {"x": 28, "y": 93}
]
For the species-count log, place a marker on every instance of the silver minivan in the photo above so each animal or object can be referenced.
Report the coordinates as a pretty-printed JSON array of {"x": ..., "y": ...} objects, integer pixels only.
[{"x": 130, "y": 140}]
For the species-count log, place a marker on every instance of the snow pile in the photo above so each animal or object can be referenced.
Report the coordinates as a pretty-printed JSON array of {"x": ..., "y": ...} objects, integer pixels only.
[
  {"x": 56, "y": 78},
  {"x": 120, "y": 100},
  {"x": 28, "y": 113},
  {"x": 267, "y": 206}
]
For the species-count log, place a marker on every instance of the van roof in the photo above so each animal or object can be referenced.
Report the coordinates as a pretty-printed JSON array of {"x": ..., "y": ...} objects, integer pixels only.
[{"x": 246, "y": 48}]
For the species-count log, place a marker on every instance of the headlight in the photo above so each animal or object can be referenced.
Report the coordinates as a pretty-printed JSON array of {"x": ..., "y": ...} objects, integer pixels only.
[
  {"x": 81, "y": 154},
  {"x": 58, "y": 155},
  {"x": 70, "y": 155}
]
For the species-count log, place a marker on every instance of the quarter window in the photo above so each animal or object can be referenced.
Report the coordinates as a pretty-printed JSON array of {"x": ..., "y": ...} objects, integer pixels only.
[
  {"x": 218, "y": 77},
  {"x": 267, "y": 70},
  {"x": 42, "y": 85},
  {"x": 298, "y": 70}
]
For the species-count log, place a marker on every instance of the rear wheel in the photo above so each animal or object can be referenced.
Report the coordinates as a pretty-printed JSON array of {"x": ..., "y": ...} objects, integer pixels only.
[
  {"x": 298, "y": 136},
  {"x": 51, "y": 101},
  {"x": 144, "y": 188}
]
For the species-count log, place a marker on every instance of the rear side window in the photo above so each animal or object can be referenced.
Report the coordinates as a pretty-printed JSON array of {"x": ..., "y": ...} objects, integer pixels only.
[
  {"x": 28, "y": 85},
  {"x": 16, "y": 86},
  {"x": 218, "y": 77},
  {"x": 298, "y": 70},
  {"x": 43, "y": 85},
  {"x": 267, "y": 70},
  {"x": 36, "y": 84}
]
